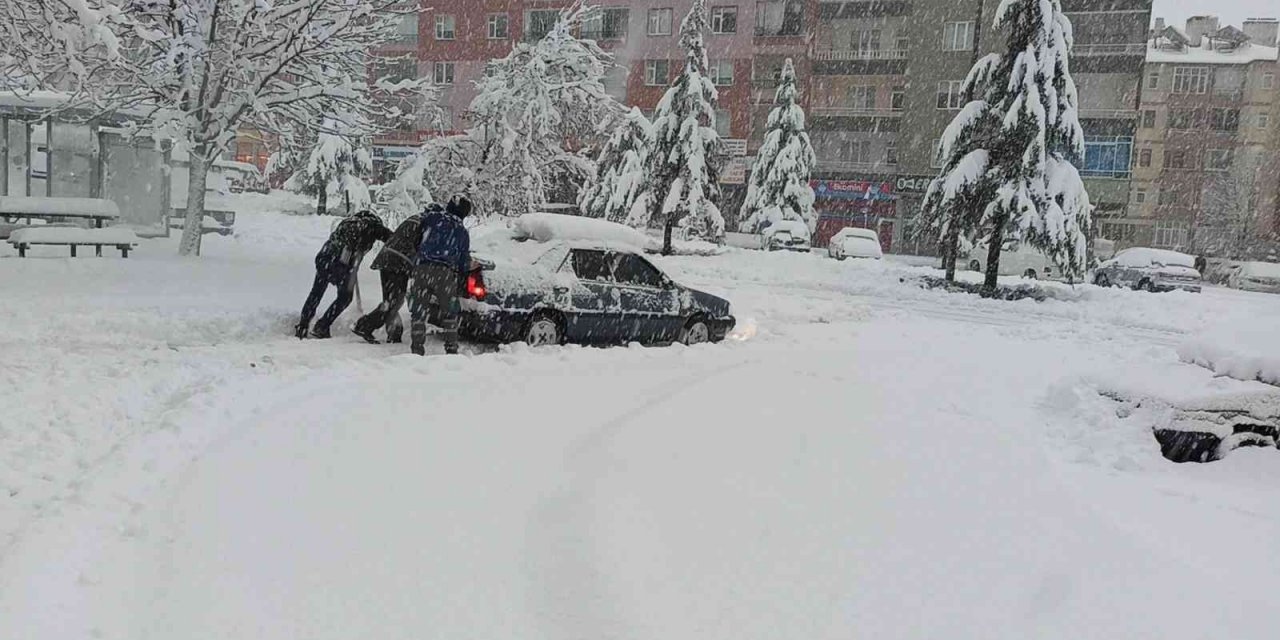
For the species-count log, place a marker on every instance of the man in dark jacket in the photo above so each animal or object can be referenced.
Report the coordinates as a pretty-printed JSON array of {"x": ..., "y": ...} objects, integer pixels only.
[
  {"x": 394, "y": 265},
  {"x": 336, "y": 264},
  {"x": 444, "y": 257}
]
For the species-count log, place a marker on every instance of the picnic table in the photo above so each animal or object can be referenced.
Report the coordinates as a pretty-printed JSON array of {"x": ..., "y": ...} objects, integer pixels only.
[
  {"x": 99, "y": 210},
  {"x": 123, "y": 239}
]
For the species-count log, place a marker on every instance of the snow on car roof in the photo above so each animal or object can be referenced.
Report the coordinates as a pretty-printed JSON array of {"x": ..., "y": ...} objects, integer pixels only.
[
  {"x": 1142, "y": 256},
  {"x": 1261, "y": 269},
  {"x": 793, "y": 227},
  {"x": 859, "y": 232}
]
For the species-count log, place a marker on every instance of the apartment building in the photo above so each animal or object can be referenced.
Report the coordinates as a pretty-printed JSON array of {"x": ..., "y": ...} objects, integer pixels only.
[{"x": 1208, "y": 152}]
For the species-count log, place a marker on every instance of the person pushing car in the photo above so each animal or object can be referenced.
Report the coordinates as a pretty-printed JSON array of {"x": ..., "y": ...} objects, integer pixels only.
[
  {"x": 394, "y": 264},
  {"x": 444, "y": 257},
  {"x": 336, "y": 264}
]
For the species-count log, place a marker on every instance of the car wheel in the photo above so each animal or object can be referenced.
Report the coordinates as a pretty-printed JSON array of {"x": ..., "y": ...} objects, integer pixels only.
[
  {"x": 695, "y": 331},
  {"x": 543, "y": 329},
  {"x": 1145, "y": 285},
  {"x": 974, "y": 265},
  {"x": 1102, "y": 280},
  {"x": 1030, "y": 273},
  {"x": 841, "y": 258}
]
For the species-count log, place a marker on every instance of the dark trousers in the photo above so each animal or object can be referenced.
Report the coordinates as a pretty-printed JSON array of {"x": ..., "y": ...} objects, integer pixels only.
[
  {"x": 434, "y": 295},
  {"x": 346, "y": 291},
  {"x": 395, "y": 286}
]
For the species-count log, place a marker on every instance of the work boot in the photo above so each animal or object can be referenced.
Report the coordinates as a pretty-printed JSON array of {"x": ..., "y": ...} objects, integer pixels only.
[
  {"x": 418, "y": 350},
  {"x": 365, "y": 334},
  {"x": 320, "y": 332},
  {"x": 300, "y": 331}
]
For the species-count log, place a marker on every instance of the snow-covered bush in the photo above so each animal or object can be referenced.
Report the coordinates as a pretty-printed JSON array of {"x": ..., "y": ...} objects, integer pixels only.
[
  {"x": 684, "y": 152},
  {"x": 619, "y": 170},
  {"x": 779, "y": 186},
  {"x": 1008, "y": 156},
  {"x": 336, "y": 165}
]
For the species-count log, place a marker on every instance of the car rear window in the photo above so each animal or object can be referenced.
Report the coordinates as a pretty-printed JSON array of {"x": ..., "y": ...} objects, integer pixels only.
[{"x": 590, "y": 264}]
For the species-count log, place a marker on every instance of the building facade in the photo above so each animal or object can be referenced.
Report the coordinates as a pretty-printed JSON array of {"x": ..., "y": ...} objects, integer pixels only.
[{"x": 1208, "y": 154}]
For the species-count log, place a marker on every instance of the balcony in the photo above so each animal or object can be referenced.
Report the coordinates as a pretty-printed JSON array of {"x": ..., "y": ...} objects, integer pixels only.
[
  {"x": 1128, "y": 49},
  {"x": 856, "y": 167},
  {"x": 856, "y": 112},
  {"x": 861, "y": 54}
]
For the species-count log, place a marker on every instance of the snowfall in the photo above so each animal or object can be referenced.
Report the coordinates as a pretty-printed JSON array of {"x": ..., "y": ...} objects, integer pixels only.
[{"x": 863, "y": 458}]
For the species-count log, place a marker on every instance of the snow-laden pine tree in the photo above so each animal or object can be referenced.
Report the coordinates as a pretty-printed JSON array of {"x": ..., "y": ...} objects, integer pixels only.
[
  {"x": 619, "y": 170},
  {"x": 198, "y": 71},
  {"x": 683, "y": 153},
  {"x": 407, "y": 193},
  {"x": 1010, "y": 153},
  {"x": 779, "y": 185},
  {"x": 336, "y": 164},
  {"x": 533, "y": 106}
]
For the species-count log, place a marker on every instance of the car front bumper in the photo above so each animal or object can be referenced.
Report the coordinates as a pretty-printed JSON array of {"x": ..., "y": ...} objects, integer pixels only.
[
  {"x": 720, "y": 327},
  {"x": 1173, "y": 285}
]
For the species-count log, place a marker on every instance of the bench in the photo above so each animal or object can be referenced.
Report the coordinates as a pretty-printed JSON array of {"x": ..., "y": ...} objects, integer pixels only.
[
  {"x": 95, "y": 210},
  {"x": 123, "y": 239}
]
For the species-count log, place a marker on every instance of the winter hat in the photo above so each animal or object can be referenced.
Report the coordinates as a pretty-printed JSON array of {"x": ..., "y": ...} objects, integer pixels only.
[{"x": 459, "y": 206}]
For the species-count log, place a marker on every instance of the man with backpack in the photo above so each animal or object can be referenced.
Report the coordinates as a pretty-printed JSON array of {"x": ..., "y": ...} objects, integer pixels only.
[
  {"x": 394, "y": 264},
  {"x": 444, "y": 257},
  {"x": 336, "y": 264}
]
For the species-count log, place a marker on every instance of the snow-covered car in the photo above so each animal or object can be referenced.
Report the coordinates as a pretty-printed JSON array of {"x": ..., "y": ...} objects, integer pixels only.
[
  {"x": 853, "y": 242},
  {"x": 1015, "y": 260},
  {"x": 1256, "y": 276},
  {"x": 590, "y": 293},
  {"x": 788, "y": 235},
  {"x": 1149, "y": 270}
]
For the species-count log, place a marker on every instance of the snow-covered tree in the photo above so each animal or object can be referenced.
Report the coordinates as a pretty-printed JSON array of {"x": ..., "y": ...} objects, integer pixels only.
[
  {"x": 531, "y": 107},
  {"x": 1009, "y": 154},
  {"x": 197, "y": 71},
  {"x": 619, "y": 170},
  {"x": 779, "y": 185},
  {"x": 683, "y": 153},
  {"x": 49, "y": 43},
  {"x": 336, "y": 164},
  {"x": 407, "y": 193}
]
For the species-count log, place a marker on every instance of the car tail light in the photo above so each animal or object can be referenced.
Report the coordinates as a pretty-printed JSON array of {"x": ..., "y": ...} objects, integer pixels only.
[{"x": 475, "y": 286}]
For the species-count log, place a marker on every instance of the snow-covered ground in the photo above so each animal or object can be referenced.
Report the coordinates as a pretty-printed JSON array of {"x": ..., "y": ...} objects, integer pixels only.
[{"x": 865, "y": 459}]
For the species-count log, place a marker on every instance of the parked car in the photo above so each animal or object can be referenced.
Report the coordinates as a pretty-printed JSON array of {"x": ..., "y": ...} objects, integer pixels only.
[
  {"x": 1256, "y": 276},
  {"x": 1015, "y": 260},
  {"x": 789, "y": 235},
  {"x": 1149, "y": 270},
  {"x": 588, "y": 293},
  {"x": 853, "y": 242}
]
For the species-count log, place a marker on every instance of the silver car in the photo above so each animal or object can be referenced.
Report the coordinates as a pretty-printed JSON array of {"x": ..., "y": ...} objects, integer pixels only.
[
  {"x": 1256, "y": 276},
  {"x": 1149, "y": 270}
]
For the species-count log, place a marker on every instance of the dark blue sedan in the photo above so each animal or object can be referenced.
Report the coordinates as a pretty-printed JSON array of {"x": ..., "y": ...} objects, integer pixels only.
[{"x": 589, "y": 295}]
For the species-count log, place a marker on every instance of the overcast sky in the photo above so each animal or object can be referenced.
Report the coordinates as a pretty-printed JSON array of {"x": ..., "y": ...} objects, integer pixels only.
[{"x": 1230, "y": 11}]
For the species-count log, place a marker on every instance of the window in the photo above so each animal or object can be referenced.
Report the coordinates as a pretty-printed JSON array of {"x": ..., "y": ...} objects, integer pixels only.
[
  {"x": 1268, "y": 81},
  {"x": 1177, "y": 160},
  {"x": 1144, "y": 158},
  {"x": 1107, "y": 156},
  {"x": 891, "y": 154},
  {"x": 898, "y": 98},
  {"x": 660, "y": 22},
  {"x": 1149, "y": 119},
  {"x": 724, "y": 19},
  {"x": 607, "y": 24},
  {"x": 656, "y": 72},
  {"x": 1224, "y": 119},
  {"x": 1170, "y": 234},
  {"x": 949, "y": 94},
  {"x": 636, "y": 271},
  {"x": 396, "y": 69},
  {"x": 1153, "y": 79},
  {"x": 445, "y": 27},
  {"x": 1185, "y": 119},
  {"x": 862, "y": 97},
  {"x": 590, "y": 264},
  {"x": 857, "y": 151},
  {"x": 1217, "y": 159},
  {"x": 540, "y": 23},
  {"x": 1140, "y": 196},
  {"x": 902, "y": 43},
  {"x": 957, "y": 36},
  {"x": 1190, "y": 79},
  {"x": 407, "y": 29},
  {"x": 499, "y": 26},
  {"x": 444, "y": 73},
  {"x": 1264, "y": 120},
  {"x": 865, "y": 40},
  {"x": 724, "y": 123},
  {"x": 721, "y": 72}
]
